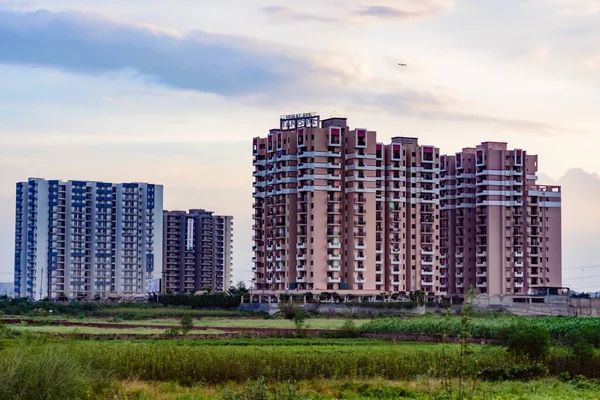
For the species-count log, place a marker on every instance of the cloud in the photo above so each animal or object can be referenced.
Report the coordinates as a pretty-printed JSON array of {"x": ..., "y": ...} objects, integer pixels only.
[
  {"x": 406, "y": 9},
  {"x": 281, "y": 14},
  {"x": 535, "y": 127},
  {"x": 201, "y": 61},
  {"x": 592, "y": 62}
]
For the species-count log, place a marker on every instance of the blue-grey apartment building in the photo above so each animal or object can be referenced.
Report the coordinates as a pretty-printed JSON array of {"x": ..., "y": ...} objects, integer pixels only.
[{"x": 83, "y": 239}]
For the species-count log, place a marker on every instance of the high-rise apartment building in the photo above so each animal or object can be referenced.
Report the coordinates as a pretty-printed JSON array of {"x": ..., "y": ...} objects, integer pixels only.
[
  {"x": 84, "y": 239},
  {"x": 500, "y": 232},
  {"x": 335, "y": 210},
  {"x": 197, "y": 254}
]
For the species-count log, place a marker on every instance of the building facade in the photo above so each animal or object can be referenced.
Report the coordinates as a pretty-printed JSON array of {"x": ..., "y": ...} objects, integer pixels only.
[
  {"x": 198, "y": 251},
  {"x": 86, "y": 240},
  {"x": 500, "y": 231},
  {"x": 335, "y": 210}
]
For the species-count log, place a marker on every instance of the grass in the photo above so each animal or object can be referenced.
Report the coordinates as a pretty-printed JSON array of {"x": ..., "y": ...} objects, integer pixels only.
[
  {"x": 183, "y": 363},
  {"x": 268, "y": 369},
  {"x": 251, "y": 323},
  {"x": 558, "y": 327},
  {"x": 546, "y": 389},
  {"x": 50, "y": 329}
]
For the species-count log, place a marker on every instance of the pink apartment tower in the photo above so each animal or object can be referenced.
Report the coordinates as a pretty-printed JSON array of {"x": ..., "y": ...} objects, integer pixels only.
[
  {"x": 336, "y": 211},
  {"x": 500, "y": 232}
]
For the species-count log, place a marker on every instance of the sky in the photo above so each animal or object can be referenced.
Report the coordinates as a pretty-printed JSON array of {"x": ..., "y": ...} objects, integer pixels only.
[{"x": 172, "y": 93}]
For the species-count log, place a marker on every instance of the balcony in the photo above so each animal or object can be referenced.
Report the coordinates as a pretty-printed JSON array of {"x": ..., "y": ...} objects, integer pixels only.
[
  {"x": 301, "y": 245},
  {"x": 518, "y": 274},
  {"x": 360, "y": 257},
  {"x": 459, "y": 255},
  {"x": 334, "y": 268},
  {"x": 360, "y": 280},
  {"x": 481, "y": 284},
  {"x": 358, "y": 268},
  {"x": 481, "y": 274},
  {"x": 396, "y": 271},
  {"x": 334, "y": 280},
  {"x": 427, "y": 273},
  {"x": 519, "y": 284},
  {"x": 519, "y": 265},
  {"x": 518, "y": 254},
  {"x": 360, "y": 246},
  {"x": 300, "y": 267},
  {"x": 426, "y": 283},
  {"x": 482, "y": 254},
  {"x": 426, "y": 252},
  {"x": 481, "y": 264},
  {"x": 428, "y": 263},
  {"x": 300, "y": 257},
  {"x": 331, "y": 245},
  {"x": 300, "y": 279},
  {"x": 459, "y": 275},
  {"x": 334, "y": 257}
]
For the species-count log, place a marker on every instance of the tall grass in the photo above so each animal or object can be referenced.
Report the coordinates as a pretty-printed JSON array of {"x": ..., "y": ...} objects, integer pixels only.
[
  {"x": 184, "y": 364},
  {"x": 558, "y": 327},
  {"x": 42, "y": 373}
]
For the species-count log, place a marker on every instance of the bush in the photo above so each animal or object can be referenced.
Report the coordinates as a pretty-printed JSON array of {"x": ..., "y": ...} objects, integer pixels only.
[
  {"x": 187, "y": 324},
  {"x": 219, "y": 300},
  {"x": 296, "y": 314},
  {"x": 517, "y": 372},
  {"x": 172, "y": 332},
  {"x": 527, "y": 339}
]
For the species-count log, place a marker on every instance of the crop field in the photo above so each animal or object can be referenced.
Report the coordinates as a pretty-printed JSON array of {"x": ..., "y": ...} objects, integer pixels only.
[
  {"x": 558, "y": 327},
  {"x": 247, "y": 323},
  {"x": 272, "y": 368},
  {"x": 47, "y": 352},
  {"x": 54, "y": 330}
]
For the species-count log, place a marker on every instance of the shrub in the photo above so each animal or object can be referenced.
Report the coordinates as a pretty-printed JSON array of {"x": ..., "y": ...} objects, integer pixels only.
[
  {"x": 516, "y": 372},
  {"x": 187, "y": 324},
  {"x": 172, "y": 332},
  {"x": 527, "y": 339}
]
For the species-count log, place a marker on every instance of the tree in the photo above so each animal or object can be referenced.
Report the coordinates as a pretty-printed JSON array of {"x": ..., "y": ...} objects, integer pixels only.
[
  {"x": 418, "y": 297},
  {"x": 294, "y": 313},
  {"x": 187, "y": 324},
  {"x": 239, "y": 289}
]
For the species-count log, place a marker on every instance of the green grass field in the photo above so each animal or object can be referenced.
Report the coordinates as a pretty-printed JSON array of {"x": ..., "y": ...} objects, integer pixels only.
[
  {"x": 418, "y": 389},
  {"x": 53, "y": 330},
  {"x": 311, "y": 323}
]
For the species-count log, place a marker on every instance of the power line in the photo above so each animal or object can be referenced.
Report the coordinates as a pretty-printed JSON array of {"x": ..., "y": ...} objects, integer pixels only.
[
  {"x": 589, "y": 266},
  {"x": 581, "y": 277}
]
